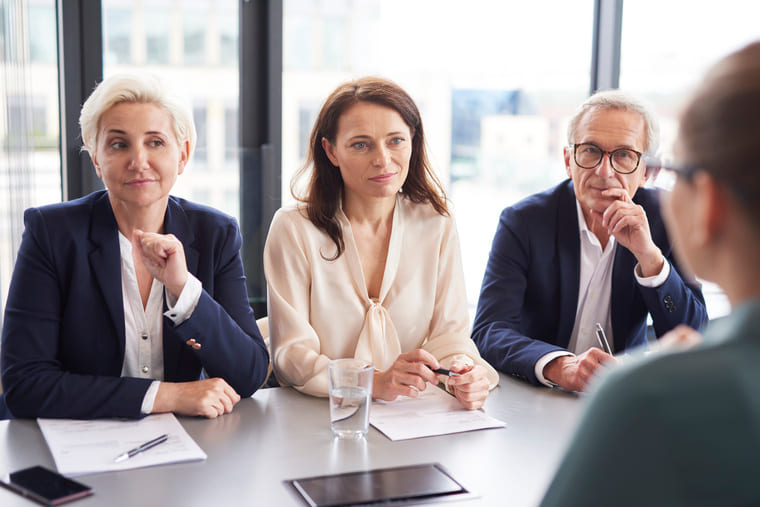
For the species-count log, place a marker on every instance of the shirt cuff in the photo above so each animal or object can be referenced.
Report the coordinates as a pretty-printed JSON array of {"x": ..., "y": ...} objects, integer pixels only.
[
  {"x": 181, "y": 309},
  {"x": 653, "y": 281},
  {"x": 150, "y": 398},
  {"x": 546, "y": 359}
]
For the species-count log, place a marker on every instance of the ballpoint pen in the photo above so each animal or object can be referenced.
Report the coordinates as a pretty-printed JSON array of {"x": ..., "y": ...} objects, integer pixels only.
[
  {"x": 602, "y": 339},
  {"x": 143, "y": 447},
  {"x": 444, "y": 371}
]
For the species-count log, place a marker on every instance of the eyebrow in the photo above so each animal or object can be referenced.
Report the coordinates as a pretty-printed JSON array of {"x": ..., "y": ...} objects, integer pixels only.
[
  {"x": 619, "y": 147},
  {"x": 365, "y": 136},
  {"x": 124, "y": 133}
]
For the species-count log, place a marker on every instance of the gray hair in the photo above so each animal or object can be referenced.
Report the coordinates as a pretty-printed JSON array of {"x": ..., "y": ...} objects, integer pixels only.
[
  {"x": 616, "y": 99},
  {"x": 135, "y": 88}
]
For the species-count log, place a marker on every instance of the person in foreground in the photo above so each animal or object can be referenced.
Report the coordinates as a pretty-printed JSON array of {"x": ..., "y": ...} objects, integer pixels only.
[
  {"x": 592, "y": 250},
  {"x": 367, "y": 265},
  {"x": 120, "y": 298},
  {"x": 682, "y": 428}
]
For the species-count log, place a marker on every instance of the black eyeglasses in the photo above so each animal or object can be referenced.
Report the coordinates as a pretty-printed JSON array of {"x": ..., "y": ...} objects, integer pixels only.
[{"x": 622, "y": 160}]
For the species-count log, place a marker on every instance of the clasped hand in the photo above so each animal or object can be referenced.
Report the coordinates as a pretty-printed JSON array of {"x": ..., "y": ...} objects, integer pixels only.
[
  {"x": 163, "y": 257},
  {"x": 627, "y": 221},
  {"x": 208, "y": 398},
  {"x": 411, "y": 372}
]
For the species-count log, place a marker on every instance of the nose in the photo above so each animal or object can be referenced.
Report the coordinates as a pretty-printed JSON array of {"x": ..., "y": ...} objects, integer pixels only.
[
  {"x": 139, "y": 158},
  {"x": 383, "y": 156},
  {"x": 604, "y": 169}
]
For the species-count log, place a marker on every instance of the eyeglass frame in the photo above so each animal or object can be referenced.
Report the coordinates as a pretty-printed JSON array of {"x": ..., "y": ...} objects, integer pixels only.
[
  {"x": 688, "y": 171},
  {"x": 609, "y": 155}
]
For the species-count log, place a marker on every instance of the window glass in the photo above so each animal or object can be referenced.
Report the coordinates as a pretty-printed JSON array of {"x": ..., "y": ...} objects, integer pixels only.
[
  {"x": 192, "y": 46},
  {"x": 665, "y": 68},
  {"x": 30, "y": 164},
  {"x": 495, "y": 81}
]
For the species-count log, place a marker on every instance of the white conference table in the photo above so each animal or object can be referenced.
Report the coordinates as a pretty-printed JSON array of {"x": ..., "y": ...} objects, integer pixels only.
[{"x": 281, "y": 434}]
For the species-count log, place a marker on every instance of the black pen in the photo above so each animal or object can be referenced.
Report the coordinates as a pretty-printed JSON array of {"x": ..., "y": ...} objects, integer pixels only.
[
  {"x": 443, "y": 371},
  {"x": 602, "y": 339},
  {"x": 144, "y": 447}
]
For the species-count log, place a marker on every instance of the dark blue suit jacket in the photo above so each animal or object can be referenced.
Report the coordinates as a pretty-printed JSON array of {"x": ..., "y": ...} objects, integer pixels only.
[
  {"x": 63, "y": 336},
  {"x": 529, "y": 295}
]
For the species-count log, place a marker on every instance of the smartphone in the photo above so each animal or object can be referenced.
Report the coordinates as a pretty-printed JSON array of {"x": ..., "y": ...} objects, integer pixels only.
[
  {"x": 399, "y": 485},
  {"x": 45, "y": 486}
]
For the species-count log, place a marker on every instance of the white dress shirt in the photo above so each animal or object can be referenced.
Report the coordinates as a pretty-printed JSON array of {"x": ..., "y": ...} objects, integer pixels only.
[
  {"x": 144, "y": 349},
  {"x": 320, "y": 309},
  {"x": 594, "y": 294}
]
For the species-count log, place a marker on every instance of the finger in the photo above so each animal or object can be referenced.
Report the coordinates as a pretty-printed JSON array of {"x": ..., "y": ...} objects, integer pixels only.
[
  {"x": 421, "y": 356},
  {"x": 630, "y": 223},
  {"x": 403, "y": 378},
  {"x": 617, "y": 193}
]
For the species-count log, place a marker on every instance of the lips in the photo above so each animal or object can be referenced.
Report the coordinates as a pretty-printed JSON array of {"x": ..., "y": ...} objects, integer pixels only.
[
  {"x": 383, "y": 178},
  {"x": 140, "y": 183}
]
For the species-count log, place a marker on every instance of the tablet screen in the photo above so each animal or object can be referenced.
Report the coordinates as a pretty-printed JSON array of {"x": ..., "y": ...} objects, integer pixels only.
[{"x": 387, "y": 484}]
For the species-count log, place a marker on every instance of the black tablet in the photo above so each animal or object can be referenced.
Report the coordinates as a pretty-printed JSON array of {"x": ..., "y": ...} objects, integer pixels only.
[{"x": 398, "y": 485}]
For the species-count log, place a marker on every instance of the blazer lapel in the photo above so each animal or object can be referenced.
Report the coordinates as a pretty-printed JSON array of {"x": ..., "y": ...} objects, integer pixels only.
[
  {"x": 177, "y": 223},
  {"x": 105, "y": 262},
  {"x": 568, "y": 253}
]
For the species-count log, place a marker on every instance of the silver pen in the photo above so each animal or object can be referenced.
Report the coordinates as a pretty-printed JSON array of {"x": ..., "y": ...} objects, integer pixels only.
[
  {"x": 143, "y": 447},
  {"x": 602, "y": 339}
]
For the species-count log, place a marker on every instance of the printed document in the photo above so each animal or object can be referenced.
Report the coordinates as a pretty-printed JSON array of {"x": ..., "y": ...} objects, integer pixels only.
[
  {"x": 85, "y": 447},
  {"x": 433, "y": 412}
]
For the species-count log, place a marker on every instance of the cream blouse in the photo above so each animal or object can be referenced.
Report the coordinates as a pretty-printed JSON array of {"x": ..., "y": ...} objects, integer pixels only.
[{"x": 320, "y": 309}]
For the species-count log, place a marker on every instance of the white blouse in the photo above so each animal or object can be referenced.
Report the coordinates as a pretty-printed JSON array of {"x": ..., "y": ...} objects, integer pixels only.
[{"x": 320, "y": 309}]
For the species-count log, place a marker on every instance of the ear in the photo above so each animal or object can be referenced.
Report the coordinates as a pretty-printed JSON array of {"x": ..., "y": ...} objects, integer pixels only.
[
  {"x": 97, "y": 166},
  {"x": 329, "y": 151},
  {"x": 567, "y": 153},
  {"x": 650, "y": 173},
  {"x": 711, "y": 202},
  {"x": 184, "y": 155}
]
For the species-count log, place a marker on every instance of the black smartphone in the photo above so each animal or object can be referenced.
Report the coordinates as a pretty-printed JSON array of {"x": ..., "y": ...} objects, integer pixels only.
[
  {"x": 398, "y": 485},
  {"x": 45, "y": 486}
]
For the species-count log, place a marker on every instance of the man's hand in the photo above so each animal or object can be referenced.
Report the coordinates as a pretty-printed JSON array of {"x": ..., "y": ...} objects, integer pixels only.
[
  {"x": 681, "y": 337},
  {"x": 471, "y": 386},
  {"x": 627, "y": 221},
  {"x": 407, "y": 376},
  {"x": 208, "y": 398},
  {"x": 574, "y": 372}
]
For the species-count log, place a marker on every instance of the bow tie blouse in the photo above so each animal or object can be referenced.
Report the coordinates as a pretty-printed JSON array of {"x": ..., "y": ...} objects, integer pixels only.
[{"x": 320, "y": 309}]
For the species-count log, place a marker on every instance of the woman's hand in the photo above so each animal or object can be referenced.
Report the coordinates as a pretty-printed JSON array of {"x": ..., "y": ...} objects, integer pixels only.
[
  {"x": 471, "y": 386},
  {"x": 163, "y": 257},
  {"x": 208, "y": 398},
  {"x": 407, "y": 376}
]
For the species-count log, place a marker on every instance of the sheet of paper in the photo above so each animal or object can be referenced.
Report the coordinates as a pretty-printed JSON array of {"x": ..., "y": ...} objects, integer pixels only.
[
  {"x": 433, "y": 412},
  {"x": 85, "y": 447}
]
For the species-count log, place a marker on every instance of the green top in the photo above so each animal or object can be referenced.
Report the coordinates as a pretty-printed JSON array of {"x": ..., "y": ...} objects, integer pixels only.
[{"x": 679, "y": 428}]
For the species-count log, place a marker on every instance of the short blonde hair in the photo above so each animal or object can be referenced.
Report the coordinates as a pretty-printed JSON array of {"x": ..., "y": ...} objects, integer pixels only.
[
  {"x": 136, "y": 88},
  {"x": 617, "y": 99}
]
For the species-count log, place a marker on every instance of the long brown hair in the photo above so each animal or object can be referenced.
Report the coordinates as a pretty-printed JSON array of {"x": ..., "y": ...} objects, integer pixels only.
[{"x": 324, "y": 191}]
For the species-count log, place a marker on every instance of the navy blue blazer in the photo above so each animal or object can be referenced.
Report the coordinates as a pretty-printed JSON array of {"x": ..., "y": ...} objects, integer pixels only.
[
  {"x": 529, "y": 295},
  {"x": 63, "y": 335}
]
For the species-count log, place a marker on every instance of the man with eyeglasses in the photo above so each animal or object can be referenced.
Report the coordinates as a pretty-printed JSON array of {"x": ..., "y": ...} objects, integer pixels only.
[{"x": 592, "y": 250}]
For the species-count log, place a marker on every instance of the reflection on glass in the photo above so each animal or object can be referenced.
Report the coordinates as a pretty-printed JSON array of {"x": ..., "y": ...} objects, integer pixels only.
[
  {"x": 665, "y": 68},
  {"x": 192, "y": 45},
  {"x": 30, "y": 168},
  {"x": 495, "y": 91}
]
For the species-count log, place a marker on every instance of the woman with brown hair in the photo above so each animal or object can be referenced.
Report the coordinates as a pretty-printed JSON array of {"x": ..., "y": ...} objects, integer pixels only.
[{"x": 367, "y": 265}]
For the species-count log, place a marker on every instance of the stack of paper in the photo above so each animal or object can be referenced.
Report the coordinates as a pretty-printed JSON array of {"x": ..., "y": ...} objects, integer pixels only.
[{"x": 85, "y": 447}]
